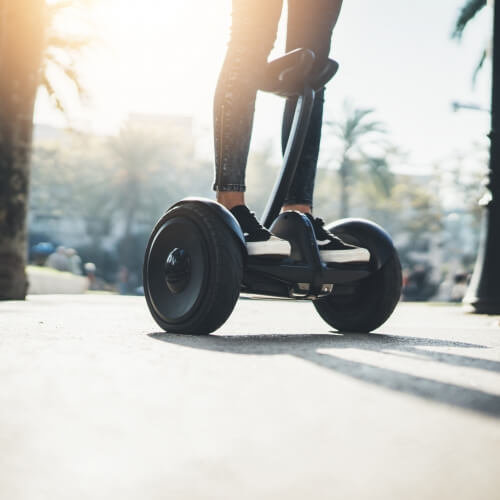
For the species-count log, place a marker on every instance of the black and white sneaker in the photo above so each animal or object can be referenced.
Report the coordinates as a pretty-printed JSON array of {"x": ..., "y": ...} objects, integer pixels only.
[
  {"x": 332, "y": 248},
  {"x": 260, "y": 241}
]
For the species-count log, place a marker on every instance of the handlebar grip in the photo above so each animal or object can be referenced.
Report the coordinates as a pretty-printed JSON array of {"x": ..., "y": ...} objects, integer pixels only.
[{"x": 287, "y": 75}]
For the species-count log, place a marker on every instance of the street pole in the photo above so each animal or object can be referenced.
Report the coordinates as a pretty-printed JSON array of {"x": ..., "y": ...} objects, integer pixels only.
[{"x": 483, "y": 293}]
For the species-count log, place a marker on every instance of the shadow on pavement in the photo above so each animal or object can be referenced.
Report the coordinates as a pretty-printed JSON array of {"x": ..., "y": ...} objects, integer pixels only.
[{"x": 307, "y": 347}]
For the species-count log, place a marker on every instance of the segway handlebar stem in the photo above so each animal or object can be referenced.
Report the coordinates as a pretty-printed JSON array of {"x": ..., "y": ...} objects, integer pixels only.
[
  {"x": 292, "y": 76},
  {"x": 291, "y": 157}
]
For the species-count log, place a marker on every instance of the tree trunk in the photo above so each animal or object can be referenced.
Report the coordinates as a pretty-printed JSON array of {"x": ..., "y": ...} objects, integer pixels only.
[
  {"x": 344, "y": 189},
  {"x": 21, "y": 47}
]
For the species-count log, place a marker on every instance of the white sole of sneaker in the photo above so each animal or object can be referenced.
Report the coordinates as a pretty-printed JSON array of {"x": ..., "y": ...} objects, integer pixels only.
[
  {"x": 343, "y": 256},
  {"x": 274, "y": 247}
]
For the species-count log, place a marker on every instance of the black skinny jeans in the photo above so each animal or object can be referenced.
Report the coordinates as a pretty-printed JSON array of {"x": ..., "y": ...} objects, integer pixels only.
[{"x": 253, "y": 32}]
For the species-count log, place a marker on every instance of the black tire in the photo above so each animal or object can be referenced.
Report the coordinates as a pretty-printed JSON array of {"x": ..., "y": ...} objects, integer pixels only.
[
  {"x": 215, "y": 270},
  {"x": 364, "y": 305}
]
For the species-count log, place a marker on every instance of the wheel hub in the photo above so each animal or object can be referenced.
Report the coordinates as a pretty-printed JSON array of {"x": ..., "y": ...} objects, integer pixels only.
[{"x": 177, "y": 270}]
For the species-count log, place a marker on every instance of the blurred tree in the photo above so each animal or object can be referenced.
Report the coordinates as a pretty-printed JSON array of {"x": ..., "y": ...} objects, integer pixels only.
[
  {"x": 70, "y": 179},
  {"x": 326, "y": 193},
  {"x": 419, "y": 212},
  {"x": 27, "y": 44},
  {"x": 467, "y": 170},
  {"x": 146, "y": 177},
  {"x": 115, "y": 188},
  {"x": 363, "y": 152},
  {"x": 136, "y": 156}
]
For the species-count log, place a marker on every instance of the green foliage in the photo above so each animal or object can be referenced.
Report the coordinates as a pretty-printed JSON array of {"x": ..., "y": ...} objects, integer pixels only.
[
  {"x": 467, "y": 13},
  {"x": 479, "y": 65}
]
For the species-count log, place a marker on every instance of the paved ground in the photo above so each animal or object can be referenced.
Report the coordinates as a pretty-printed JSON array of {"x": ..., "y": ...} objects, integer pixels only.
[{"x": 97, "y": 403}]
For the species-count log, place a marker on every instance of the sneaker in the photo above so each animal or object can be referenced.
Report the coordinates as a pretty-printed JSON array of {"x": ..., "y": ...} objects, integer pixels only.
[
  {"x": 260, "y": 241},
  {"x": 332, "y": 248}
]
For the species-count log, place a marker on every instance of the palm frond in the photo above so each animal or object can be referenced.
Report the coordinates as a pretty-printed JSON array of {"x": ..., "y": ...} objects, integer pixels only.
[
  {"x": 52, "y": 93},
  {"x": 354, "y": 117},
  {"x": 72, "y": 75},
  {"x": 468, "y": 11},
  {"x": 68, "y": 70},
  {"x": 364, "y": 129},
  {"x": 480, "y": 64},
  {"x": 356, "y": 125},
  {"x": 380, "y": 172},
  {"x": 67, "y": 43},
  {"x": 61, "y": 52}
]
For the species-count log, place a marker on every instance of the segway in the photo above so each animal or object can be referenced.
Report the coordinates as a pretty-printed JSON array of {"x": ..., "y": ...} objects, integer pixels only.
[{"x": 196, "y": 262}]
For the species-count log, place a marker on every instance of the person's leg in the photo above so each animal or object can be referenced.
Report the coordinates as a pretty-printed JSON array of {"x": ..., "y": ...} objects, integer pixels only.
[
  {"x": 310, "y": 25},
  {"x": 253, "y": 32},
  {"x": 254, "y": 27}
]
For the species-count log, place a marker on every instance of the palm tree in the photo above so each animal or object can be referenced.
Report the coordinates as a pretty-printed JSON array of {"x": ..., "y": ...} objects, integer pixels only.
[
  {"x": 31, "y": 54},
  {"x": 360, "y": 136},
  {"x": 467, "y": 13},
  {"x": 484, "y": 291}
]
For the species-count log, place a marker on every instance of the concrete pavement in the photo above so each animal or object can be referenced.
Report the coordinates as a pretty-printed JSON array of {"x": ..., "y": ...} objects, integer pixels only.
[{"x": 96, "y": 402}]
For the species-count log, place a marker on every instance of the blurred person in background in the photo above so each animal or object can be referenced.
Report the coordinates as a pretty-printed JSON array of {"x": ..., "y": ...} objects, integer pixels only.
[
  {"x": 89, "y": 269},
  {"x": 40, "y": 252},
  {"x": 418, "y": 285},
  {"x": 123, "y": 280},
  {"x": 459, "y": 287},
  {"x": 253, "y": 32},
  {"x": 59, "y": 260},
  {"x": 75, "y": 262},
  {"x": 96, "y": 283}
]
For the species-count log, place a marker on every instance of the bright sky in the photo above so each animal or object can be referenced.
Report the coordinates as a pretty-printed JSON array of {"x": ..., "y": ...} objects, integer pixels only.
[{"x": 395, "y": 56}]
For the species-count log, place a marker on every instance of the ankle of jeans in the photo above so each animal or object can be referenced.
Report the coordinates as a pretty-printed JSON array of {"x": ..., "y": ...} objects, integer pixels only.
[
  {"x": 229, "y": 187},
  {"x": 298, "y": 202}
]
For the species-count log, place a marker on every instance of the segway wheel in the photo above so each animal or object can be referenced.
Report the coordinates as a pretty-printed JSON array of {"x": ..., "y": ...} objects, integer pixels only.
[
  {"x": 192, "y": 272},
  {"x": 364, "y": 305}
]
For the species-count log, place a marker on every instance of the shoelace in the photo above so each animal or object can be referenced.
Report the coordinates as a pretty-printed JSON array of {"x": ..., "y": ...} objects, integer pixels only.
[
  {"x": 322, "y": 233},
  {"x": 252, "y": 226}
]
